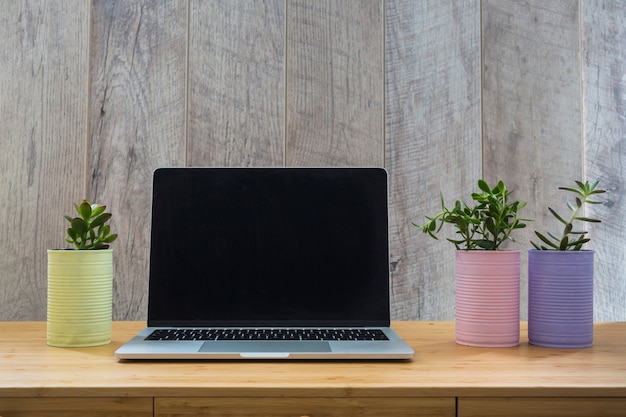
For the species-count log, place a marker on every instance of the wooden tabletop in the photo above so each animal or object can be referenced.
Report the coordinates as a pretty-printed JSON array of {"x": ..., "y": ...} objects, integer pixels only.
[{"x": 28, "y": 367}]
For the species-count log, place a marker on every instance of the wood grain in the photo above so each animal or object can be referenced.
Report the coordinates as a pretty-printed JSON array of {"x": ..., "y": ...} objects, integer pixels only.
[
  {"x": 137, "y": 123},
  {"x": 541, "y": 407},
  {"x": 335, "y": 83},
  {"x": 532, "y": 107},
  {"x": 43, "y": 113},
  {"x": 236, "y": 83},
  {"x": 338, "y": 407},
  {"x": 64, "y": 407},
  {"x": 441, "y": 369},
  {"x": 433, "y": 142},
  {"x": 604, "y": 67}
]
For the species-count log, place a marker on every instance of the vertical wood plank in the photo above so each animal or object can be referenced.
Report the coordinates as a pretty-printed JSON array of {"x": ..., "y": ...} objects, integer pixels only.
[
  {"x": 604, "y": 68},
  {"x": 532, "y": 107},
  {"x": 335, "y": 83},
  {"x": 137, "y": 123},
  {"x": 43, "y": 99},
  {"x": 433, "y": 142},
  {"x": 236, "y": 83}
]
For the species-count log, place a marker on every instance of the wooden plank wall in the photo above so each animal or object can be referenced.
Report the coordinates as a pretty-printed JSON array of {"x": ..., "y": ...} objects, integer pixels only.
[
  {"x": 603, "y": 52},
  {"x": 433, "y": 141},
  {"x": 532, "y": 104},
  {"x": 44, "y": 77},
  {"x": 93, "y": 97}
]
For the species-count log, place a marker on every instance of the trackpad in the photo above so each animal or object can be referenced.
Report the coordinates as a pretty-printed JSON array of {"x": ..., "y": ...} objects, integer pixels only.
[{"x": 250, "y": 346}]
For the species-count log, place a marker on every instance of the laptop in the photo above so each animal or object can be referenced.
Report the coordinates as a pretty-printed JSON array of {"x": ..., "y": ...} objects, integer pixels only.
[{"x": 268, "y": 263}]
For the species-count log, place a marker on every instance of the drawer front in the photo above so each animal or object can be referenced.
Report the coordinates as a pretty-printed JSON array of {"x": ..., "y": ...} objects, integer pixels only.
[
  {"x": 539, "y": 407},
  {"x": 311, "y": 407},
  {"x": 64, "y": 407}
]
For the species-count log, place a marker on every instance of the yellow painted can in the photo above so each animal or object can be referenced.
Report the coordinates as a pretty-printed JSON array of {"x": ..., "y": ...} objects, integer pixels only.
[{"x": 80, "y": 297}]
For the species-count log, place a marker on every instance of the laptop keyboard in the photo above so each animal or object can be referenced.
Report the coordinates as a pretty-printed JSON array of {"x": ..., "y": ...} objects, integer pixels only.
[{"x": 267, "y": 334}]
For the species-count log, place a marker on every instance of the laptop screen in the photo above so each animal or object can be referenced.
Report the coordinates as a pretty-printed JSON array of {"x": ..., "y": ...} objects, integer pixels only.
[{"x": 269, "y": 247}]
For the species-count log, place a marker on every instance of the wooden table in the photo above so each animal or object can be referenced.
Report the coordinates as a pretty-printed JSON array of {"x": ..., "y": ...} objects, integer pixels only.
[{"x": 444, "y": 379}]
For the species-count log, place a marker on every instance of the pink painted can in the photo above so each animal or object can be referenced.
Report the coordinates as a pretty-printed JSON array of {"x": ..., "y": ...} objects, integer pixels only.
[{"x": 488, "y": 298}]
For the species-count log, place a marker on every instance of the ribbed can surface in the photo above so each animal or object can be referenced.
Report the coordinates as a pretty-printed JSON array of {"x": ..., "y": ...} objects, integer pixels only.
[
  {"x": 80, "y": 286},
  {"x": 560, "y": 298},
  {"x": 488, "y": 298}
]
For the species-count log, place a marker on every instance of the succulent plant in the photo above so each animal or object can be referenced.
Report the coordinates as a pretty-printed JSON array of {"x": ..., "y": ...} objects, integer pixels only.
[
  {"x": 485, "y": 225},
  {"x": 571, "y": 239},
  {"x": 89, "y": 231}
]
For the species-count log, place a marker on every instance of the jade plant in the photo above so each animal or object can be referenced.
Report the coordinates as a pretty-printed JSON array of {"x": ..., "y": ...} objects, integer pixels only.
[
  {"x": 89, "y": 230},
  {"x": 571, "y": 239},
  {"x": 486, "y": 224}
]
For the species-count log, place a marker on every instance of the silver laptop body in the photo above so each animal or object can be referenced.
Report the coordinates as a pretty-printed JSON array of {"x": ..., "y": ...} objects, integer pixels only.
[{"x": 268, "y": 263}]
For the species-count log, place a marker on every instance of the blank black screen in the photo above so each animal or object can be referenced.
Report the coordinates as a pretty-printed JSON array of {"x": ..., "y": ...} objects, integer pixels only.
[{"x": 269, "y": 246}]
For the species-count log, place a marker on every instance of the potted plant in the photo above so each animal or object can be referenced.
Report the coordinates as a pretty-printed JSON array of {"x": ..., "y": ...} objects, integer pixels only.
[
  {"x": 80, "y": 281},
  {"x": 560, "y": 278},
  {"x": 487, "y": 277}
]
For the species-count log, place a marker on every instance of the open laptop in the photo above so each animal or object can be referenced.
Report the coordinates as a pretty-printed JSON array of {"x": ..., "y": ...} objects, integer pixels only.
[{"x": 268, "y": 263}]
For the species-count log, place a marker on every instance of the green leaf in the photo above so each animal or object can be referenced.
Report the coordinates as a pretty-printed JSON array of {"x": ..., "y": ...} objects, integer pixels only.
[
  {"x": 110, "y": 238},
  {"x": 72, "y": 234},
  {"x": 455, "y": 241},
  {"x": 555, "y": 214},
  {"x": 500, "y": 188},
  {"x": 583, "y": 241},
  {"x": 100, "y": 220},
  {"x": 79, "y": 226},
  {"x": 104, "y": 230},
  {"x": 97, "y": 210},
  {"x": 489, "y": 224},
  {"x": 484, "y": 186},
  {"x": 85, "y": 210},
  {"x": 546, "y": 240},
  {"x": 485, "y": 244},
  {"x": 574, "y": 190},
  {"x": 568, "y": 228},
  {"x": 553, "y": 236},
  {"x": 587, "y": 219}
]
